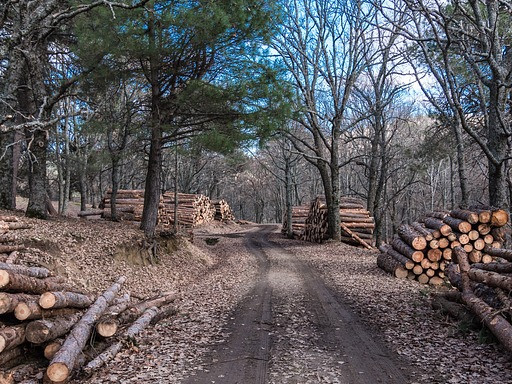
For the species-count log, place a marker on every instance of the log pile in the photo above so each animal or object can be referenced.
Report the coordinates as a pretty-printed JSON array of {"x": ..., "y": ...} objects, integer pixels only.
[
  {"x": 223, "y": 211},
  {"x": 129, "y": 205},
  {"x": 485, "y": 289},
  {"x": 299, "y": 216},
  {"x": 423, "y": 250},
  {"x": 43, "y": 316},
  {"x": 193, "y": 210},
  {"x": 356, "y": 223}
]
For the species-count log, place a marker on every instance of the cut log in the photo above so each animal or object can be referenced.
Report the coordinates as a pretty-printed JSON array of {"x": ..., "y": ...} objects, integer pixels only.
[
  {"x": 454, "y": 309},
  {"x": 135, "y": 311},
  {"x": 479, "y": 244},
  {"x": 29, "y": 310},
  {"x": 499, "y": 217},
  {"x": 412, "y": 237},
  {"x": 64, "y": 360},
  {"x": 458, "y": 225},
  {"x": 486, "y": 259},
  {"x": 435, "y": 280},
  {"x": 9, "y": 301},
  {"x": 391, "y": 265},
  {"x": 423, "y": 278},
  {"x": 473, "y": 235},
  {"x": 52, "y": 347},
  {"x": 356, "y": 237},
  {"x": 475, "y": 256},
  {"x": 9, "y": 355},
  {"x": 430, "y": 222},
  {"x": 463, "y": 238},
  {"x": 443, "y": 242},
  {"x": 494, "y": 267},
  {"x": 492, "y": 279},
  {"x": 41, "y": 331},
  {"x": 64, "y": 299},
  {"x": 468, "y": 247},
  {"x": 16, "y": 282},
  {"x": 11, "y": 337},
  {"x": 403, "y": 260},
  {"x": 28, "y": 271},
  {"x": 163, "y": 313},
  {"x": 427, "y": 233},
  {"x": 488, "y": 239},
  {"x": 418, "y": 269},
  {"x": 462, "y": 214},
  {"x": 400, "y": 246},
  {"x": 141, "y": 323},
  {"x": 447, "y": 253},
  {"x": 433, "y": 244},
  {"x": 484, "y": 229},
  {"x": 107, "y": 325},
  {"x": 499, "y": 252},
  {"x": 434, "y": 254}
]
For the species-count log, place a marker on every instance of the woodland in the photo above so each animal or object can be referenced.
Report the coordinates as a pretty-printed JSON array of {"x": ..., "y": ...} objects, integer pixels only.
[{"x": 266, "y": 104}]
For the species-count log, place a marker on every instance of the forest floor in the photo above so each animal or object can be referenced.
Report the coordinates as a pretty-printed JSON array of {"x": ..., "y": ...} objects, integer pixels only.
[{"x": 255, "y": 307}]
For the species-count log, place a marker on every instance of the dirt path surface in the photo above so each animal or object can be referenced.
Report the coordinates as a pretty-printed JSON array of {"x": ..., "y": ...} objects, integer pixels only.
[{"x": 292, "y": 329}]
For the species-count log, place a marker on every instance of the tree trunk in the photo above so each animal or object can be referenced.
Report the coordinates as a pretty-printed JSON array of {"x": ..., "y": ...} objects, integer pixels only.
[{"x": 64, "y": 299}]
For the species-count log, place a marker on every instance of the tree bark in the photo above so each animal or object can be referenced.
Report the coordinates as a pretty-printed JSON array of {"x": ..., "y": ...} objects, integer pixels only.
[
  {"x": 41, "y": 331},
  {"x": 64, "y": 299},
  {"x": 11, "y": 337}
]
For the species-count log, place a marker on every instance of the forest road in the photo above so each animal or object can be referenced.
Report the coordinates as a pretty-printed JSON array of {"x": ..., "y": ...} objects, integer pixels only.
[{"x": 292, "y": 329}]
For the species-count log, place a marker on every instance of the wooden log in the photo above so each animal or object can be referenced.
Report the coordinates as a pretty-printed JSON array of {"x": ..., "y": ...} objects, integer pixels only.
[
  {"x": 463, "y": 214},
  {"x": 16, "y": 282},
  {"x": 454, "y": 309},
  {"x": 436, "y": 280},
  {"x": 64, "y": 360},
  {"x": 479, "y": 244},
  {"x": 404, "y": 261},
  {"x": 443, "y": 242},
  {"x": 473, "y": 235},
  {"x": 417, "y": 270},
  {"x": 356, "y": 237},
  {"x": 494, "y": 267},
  {"x": 451, "y": 236},
  {"x": 134, "y": 311},
  {"x": 91, "y": 212},
  {"x": 163, "y": 313},
  {"x": 9, "y": 301},
  {"x": 430, "y": 272},
  {"x": 454, "y": 244},
  {"x": 499, "y": 217},
  {"x": 29, "y": 310},
  {"x": 425, "y": 263},
  {"x": 492, "y": 279},
  {"x": 475, "y": 256},
  {"x": 107, "y": 324},
  {"x": 486, "y": 259},
  {"x": 411, "y": 237},
  {"x": 484, "y": 229},
  {"x": 463, "y": 238},
  {"x": 9, "y": 355},
  {"x": 440, "y": 215},
  {"x": 433, "y": 223},
  {"x": 13, "y": 256},
  {"x": 41, "y": 331},
  {"x": 391, "y": 265},
  {"x": 141, "y": 323},
  {"x": 447, "y": 253},
  {"x": 423, "y": 278},
  {"x": 19, "y": 225},
  {"x": 458, "y": 225},
  {"x": 434, "y": 254},
  {"x": 64, "y": 299},
  {"x": 427, "y": 233},
  {"x": 484, "y": 215},
  {"x": 499, "y": 252},
  {"x": 468, "y": 247},
  {"x": 433, "y": 244},
  {"x": 52, "y": 348},
  {"x": 9, "y": 219},
  {"x": 488, "y": 239},
  {"x": 28, "y": 271},
  {"x": 11, "y": 337},
  {"x": 400, "y": 246}
]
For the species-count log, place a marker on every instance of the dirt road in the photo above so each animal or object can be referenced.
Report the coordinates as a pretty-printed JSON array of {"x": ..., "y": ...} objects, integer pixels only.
[{"x": 292, "y": 329}]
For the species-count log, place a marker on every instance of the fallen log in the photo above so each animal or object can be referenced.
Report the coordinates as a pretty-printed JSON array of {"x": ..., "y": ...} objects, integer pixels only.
[
  {"x": 10, "y": 355},
  {"x": 107, "y": 324},
  {"x": 64, "y": 360},
  {"x": 437, "y": 224},
  {"x": 494, "y": 267},
  {"x": 492, "y": 279},
  {"x": 64, "y": 299},
  {"x": 402, "y": 247},
  {"x": 51, "y": 348},
  {"x": 41, "y": 331},
  {"x": 404, "y": 261},
  {"x": 141, "y": 323},
  {"x": 30, "y": 310},
  {"x": 463, "y": 214},
  {"x": 135, "y": 311},
  {"x": 356, "y": 237},
  {"x": 457, "y": 225},
  {"x": 498, "y": 252}
]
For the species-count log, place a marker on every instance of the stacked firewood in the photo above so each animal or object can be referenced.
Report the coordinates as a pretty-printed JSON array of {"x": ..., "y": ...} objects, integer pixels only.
[
  {"x": 223, "y": 211},
  {"x": 193, "y": 209},
  {"x": 485, "y": 289},
  {"x": 423, "y": 250},
  {"x": 356, "y": 223},
  {"x": 300, "y": 214},
  {"x": 9, "y": 246}
]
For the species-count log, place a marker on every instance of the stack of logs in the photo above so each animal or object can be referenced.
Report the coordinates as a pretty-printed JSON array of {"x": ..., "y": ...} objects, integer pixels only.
[
  {"x": 300, "y": 214},
  {"x": 223, "y": 211},
  {"x": 356, "y": 223},
  {"x": 42, "y": 315},
  {"x": 193, "y": 210},
  {"x": 483, "y": 288},
  {"x": 423, "y": 250}
]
